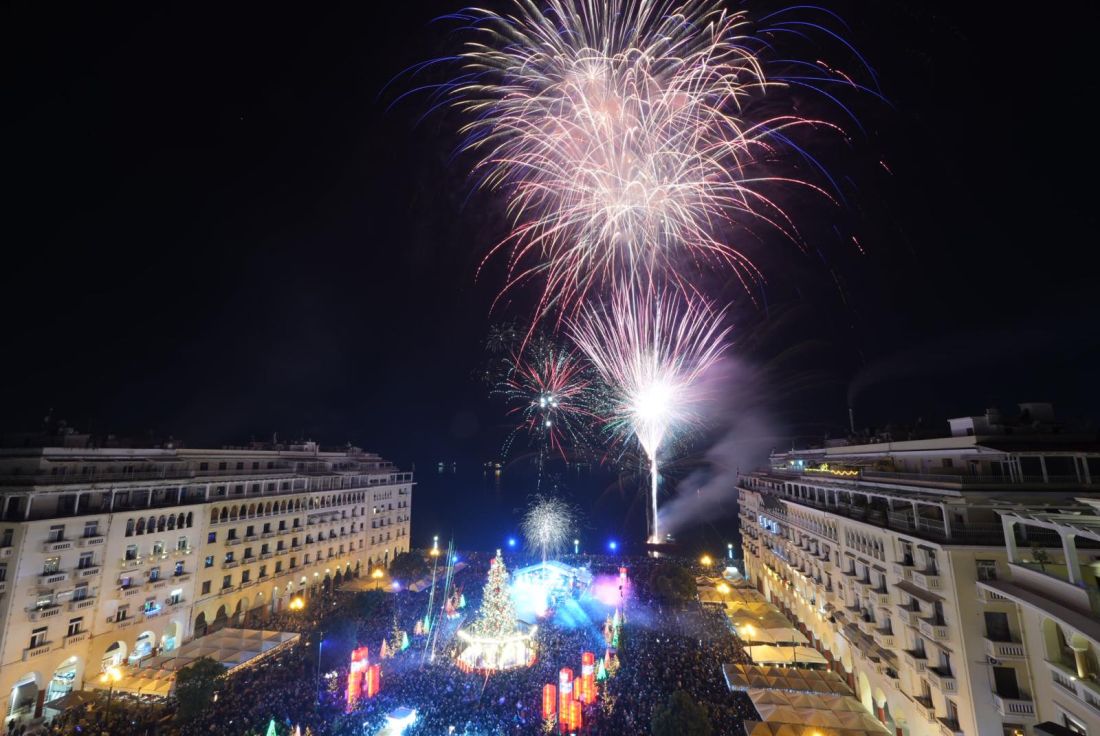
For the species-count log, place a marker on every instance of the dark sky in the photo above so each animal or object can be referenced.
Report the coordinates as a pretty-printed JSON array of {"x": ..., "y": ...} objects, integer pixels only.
[{"x": 216, "y": 230}]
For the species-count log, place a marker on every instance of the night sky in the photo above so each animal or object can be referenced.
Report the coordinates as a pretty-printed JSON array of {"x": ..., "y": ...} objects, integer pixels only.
[{"x": 216, "y": 230}]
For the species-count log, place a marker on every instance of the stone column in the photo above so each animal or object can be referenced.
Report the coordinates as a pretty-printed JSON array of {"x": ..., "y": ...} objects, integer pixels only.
[
  {"x": 1080, "y": 660},
  {"x": 1069, "y": 551}
]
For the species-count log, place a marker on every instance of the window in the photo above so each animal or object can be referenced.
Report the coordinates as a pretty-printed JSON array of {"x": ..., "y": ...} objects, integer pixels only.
[
  {"x": 53, "y": 564},
  {"x": 91, "y": 529},
  {"x": 150, "y": 606},
  {"x": 131, "y": 552},
  {"x": 987, "y": 569},
  {"x": 57, "y": 533},
  {"x": 6, "y": 539},
  {"x": 209, "y": 561},
  {"x": 3, "y": 573},
  {"x": 125, "y": 582},
  {"x": 154, "y": 574},
  {"x": 996, "y": 626},
  {"x": 179, "y": 568},
  {"x": 211, "y": 537},
  {"x": 80, "y": 592},
  {"x": 86, "y": 560},
  {"x": 263, "y": 571},
  {"x": 206, "y": 587},
  {"x": 181, "y": 544},
  {"x": 75, "y": 624},
  {"x": 228, "y": 557},
  {"x": 158, "y": 549},
  {"x": 204, "y": 466},
  {"x": 245, "y": 575},
  {"x": 227, "y": 582},
  {"x": 248, "y": 553},
  {"x": 221, "y": 466},
  {"x": 278, "y": 567},
  {"x": 232, "y": 534},
  {"x": 250, "y": 532},
  {"x": 38, "y": 637}
]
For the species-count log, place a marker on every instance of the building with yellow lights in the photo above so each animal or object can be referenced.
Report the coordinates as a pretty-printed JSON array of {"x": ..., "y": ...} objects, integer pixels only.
[
  {"x": 952, "y": 580},
  {"x": 108, "y": 555}
]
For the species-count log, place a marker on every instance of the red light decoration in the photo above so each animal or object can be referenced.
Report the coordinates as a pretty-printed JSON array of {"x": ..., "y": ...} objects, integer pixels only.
[
  {"x": 565, "y": 692},
  {"x": 374, "y": 680},
  {"x": 588, "y": 678},
  {"x": 359, "y": 664},
  {"x": 575, "y": 718},
  {"x": 549, "y": 701}
]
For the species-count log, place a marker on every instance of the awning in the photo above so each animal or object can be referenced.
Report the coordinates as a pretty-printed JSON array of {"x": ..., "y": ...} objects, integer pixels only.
[
  {"x": 745, "y": 677},
  {"x": 769, "y": 654},
  {"x": 918, "y": 592}
]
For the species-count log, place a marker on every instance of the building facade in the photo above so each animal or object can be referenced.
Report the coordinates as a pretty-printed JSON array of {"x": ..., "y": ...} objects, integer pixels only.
[
  {"x": 893, "y": 558},
  {"x": 108, "y": 556}
]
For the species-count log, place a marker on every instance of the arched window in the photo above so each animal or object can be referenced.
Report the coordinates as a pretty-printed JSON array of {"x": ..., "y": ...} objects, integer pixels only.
[
  {"x": 129, "y": 527},
  {"x": 141, "y": 526},
  {"x": 171, "y": 522},
  {"x": 190, "y": 519}
]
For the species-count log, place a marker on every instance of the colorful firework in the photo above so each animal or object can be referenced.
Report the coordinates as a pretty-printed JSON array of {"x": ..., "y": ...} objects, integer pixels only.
[
  {"x": 548, "y": 526},
  {"x": 625, "y": 136},
  {"x": 553, "y": 393},
  {"x": 651, "y": 350}
]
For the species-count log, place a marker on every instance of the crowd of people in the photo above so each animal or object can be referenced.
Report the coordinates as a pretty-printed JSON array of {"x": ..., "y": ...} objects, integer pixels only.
[{"x": 666, "y": 645}]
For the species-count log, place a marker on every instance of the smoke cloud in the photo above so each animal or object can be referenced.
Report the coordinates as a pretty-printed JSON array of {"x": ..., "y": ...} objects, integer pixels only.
[{"x": 746, "y": 435}]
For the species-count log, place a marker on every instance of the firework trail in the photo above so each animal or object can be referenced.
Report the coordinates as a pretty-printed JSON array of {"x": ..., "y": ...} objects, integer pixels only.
[
  {"x": 623, "y": 135},
  {"x": 554, "y": 394},
  {"x": 652, "y": 350},
  {"x": 548, "y": 525}
]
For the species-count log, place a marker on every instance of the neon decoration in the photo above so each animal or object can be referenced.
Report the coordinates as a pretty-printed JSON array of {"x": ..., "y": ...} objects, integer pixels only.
[
  {"x": 575, "y": 719},
  {"x": 565, "y": 692},
  {"x": 374, "y": 680},
  {"x": 588, "y": 677}
]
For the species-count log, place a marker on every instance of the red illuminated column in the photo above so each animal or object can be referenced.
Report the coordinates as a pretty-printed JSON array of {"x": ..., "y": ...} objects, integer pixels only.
[
  {"x": 374, "y": 680},
  {"x": 588, "y": 676},
  {"x": 549, "y": 700},
  {"x": 575, "y": 719},
  {"x": 565, "y": 693}
]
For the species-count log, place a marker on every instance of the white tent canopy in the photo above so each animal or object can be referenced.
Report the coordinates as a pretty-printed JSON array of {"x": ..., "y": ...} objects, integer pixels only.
[
  {"x": 233, "y": 648},
  {"x": 746, "y": 677},
  {"x": 770, "y": 654}
]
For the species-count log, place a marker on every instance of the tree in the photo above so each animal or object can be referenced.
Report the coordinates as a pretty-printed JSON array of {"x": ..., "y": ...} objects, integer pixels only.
[
  {"x": 409, "y": 567},
  {"x": 681, "y": 716},
  {"x": 497, "y": 617},
  {"x": 1040, "y": 555},
  {"x": 672, "y": 582},
  {"x": 195, "y": 686}
]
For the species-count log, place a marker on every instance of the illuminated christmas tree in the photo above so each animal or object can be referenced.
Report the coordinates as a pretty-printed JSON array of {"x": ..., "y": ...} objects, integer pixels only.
[{"x": 497, "y": 617}]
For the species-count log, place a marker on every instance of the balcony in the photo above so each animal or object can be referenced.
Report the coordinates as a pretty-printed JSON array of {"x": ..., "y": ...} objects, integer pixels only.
[
  {"x": 942, "y": 678},
  {"x": 131, "y": 591},
  {"x": 933, "y": 629},
  {"x": 75, "y": 638},
  {"x": 90, "y": 572},
  {"x": 884, "y": 638},
  {"x": 30, "y": 652},
  {"x": 5, "y": 552},
  {"x": 928, "y": 579},
  {"x": 267, "y": 535},
  {"x": 950, "y": 727},
  {"x": 156, "y": 584},
  {"x": 182, "y": 577},
  {"x": 987, "y": 595},
  {"x": 81, "y": 604},
  {"x": 233, "y": 542},
  {"x": 43, "y": 612},
  {"x": 281, "y": 551},
  {"x": 91, "y": 541},
  {"x": 926, "y": 708},
  {"x": 1015, "y": 708},
  {"x": 230, "y": 564},
  {"x": 127, "y": 563},
  {"x": 1004, "y": 649},
  {"x": 881, "y": 597},
  {"x": 3, "y": 586},
  {"x": 265, "y": 555},
  {"x": 58, "y": 545},
  {"x": 1085, "y": 691},
  {"x": 251, "y": 538},
  {"x": 909, "y": 616},
  {"x": 917, "y": 660},
  {"x": 50, "y": 578}
]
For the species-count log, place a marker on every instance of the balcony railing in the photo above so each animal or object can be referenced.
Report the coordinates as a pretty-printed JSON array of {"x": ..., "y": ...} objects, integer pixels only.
[
  {"x": 1005, "y": 649},
  {"x": 933, "y": 629},
  {"x": 942, "y": 678},
  {"x": 1014, "y": 707}
]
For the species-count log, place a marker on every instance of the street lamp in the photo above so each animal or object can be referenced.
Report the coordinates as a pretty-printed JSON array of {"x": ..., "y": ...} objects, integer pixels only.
[
  {"x": 297, "y": 603},
  {"x": 110, "y": 676},
  {"x": 729, "y": 550},
  {"x": 705, "y": 561},
  {"x": 576, "y": 546}
]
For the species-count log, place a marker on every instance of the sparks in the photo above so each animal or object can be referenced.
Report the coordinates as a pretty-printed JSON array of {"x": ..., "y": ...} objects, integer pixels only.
[{"x": 548, "y": 526}]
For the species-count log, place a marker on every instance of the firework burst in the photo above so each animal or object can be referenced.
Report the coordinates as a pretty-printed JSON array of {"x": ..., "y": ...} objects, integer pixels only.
[
  {"x": 621, "y": 135},
  {"x": 548, "y": 526},
  {"x": 553, "y": 393},
  {"x": 652, "y": 351}
]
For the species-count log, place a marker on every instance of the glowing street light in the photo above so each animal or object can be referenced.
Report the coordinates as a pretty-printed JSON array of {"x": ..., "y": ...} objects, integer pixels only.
[
  {"x": 723, "y": 588},
  {"x": 297, "y": 603},
  {"x": 705, "y": 561},
  {"x": 729, "y": 550},
  {"x": 110, "y": 676},
  {"x": 612, "y": 545},
  {"x": 576, "y": 546}
]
